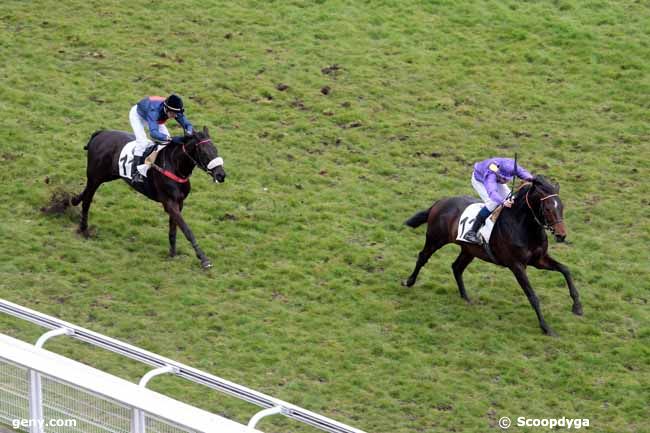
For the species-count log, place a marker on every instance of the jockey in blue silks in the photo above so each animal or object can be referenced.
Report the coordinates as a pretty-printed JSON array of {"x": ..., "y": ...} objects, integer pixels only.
[
  {"x": 153, "y": 112},
  {"x": 489, "y": 179}
]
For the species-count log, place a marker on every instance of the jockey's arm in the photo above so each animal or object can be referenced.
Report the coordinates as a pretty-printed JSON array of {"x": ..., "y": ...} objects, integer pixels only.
[
  {"x": 158, "y": 136},
  {"x": 187, "y": 126},
  {"x": 522, "y": 173},
  {"x": 490, "y": 184}
]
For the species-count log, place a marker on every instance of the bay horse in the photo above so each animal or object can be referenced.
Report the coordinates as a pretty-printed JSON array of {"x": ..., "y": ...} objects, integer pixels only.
[
  {"x": 518, "y": 238},
  {"x": 167, "y": 181}
]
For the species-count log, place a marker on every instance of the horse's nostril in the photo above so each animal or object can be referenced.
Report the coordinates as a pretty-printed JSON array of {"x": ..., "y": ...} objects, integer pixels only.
[{"x": 219, "y": 177}]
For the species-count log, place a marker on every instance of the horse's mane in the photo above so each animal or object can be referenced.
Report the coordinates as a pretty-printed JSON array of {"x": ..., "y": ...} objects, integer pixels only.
[
  {"x": 168, "y": 152},
  {"x": 540, "y": 182},
  {"x": 172, "y": 146}
]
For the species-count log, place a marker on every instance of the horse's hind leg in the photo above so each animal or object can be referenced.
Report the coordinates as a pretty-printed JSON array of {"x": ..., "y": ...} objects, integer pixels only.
[
  {"x": 74, "y": 201},
  {"x": 86, "y": 197},
  {"x": 430, "y": 247},
  {"x": 462, "y": 261},
  {"x": 547, "y": 262}
]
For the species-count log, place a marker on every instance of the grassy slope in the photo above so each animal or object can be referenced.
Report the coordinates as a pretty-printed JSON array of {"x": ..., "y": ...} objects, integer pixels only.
[{"x": 304, "y": 301}]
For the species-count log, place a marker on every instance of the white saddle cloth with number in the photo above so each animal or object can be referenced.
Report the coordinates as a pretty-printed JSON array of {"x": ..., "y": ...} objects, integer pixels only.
[
  {"x": 126, "y": 158},
  {"x": 467, "y": 219}
]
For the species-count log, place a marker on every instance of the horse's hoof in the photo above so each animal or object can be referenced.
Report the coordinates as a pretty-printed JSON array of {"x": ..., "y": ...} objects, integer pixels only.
[
  {"x": 408, "y": 283},
  {"x": 577, "y": 310},
  {"x": 206, "y": 264},
  {"x": 550, "y": 333},
  {"x": 85, "y": 233}
]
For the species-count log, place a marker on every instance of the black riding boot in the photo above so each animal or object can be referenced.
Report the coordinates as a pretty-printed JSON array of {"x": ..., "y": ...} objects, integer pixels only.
[
  {"x": 472, "y": 234},
  {"x": 136, "y": 176}
]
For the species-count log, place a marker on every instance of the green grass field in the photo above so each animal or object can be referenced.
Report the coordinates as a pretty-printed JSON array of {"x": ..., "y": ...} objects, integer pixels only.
[{"x": 307, "y": 237}]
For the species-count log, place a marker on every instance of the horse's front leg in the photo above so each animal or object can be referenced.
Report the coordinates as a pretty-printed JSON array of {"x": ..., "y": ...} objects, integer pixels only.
[
  {"x": 174, "y": 210},
  {"x": 547, "y": 262},
  {"x": 520, "y": 273}
]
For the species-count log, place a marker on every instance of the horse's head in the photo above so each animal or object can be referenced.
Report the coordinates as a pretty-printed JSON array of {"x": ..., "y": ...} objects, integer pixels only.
[
  {"x": 201, "y": 148},
  {"x": 543, "y": 199}
]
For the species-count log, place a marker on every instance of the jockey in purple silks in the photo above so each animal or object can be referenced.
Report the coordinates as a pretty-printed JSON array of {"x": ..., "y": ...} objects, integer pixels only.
[
  {"x": 489, "y": 179},
  {"x": 153, "y": 112}
]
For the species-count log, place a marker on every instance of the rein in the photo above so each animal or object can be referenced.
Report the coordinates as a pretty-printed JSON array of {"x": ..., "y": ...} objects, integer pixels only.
[
  {"x": 170, "y": 175},
  {"x": 545, "y": 224}
]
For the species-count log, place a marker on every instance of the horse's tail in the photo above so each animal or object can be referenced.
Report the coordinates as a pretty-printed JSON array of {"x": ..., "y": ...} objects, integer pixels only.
[
  {"x": 91, "y": 138},
  {"x": 418, "y": 219}
]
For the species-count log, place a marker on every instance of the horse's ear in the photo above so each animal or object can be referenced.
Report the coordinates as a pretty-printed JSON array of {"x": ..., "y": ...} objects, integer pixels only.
[{"x": 205, "y": 131}]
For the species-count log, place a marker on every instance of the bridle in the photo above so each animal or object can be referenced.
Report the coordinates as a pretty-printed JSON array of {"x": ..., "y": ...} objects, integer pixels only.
[
  {"x": 197, "y": 163},
  {"x": 545, "y": 224},
  {"x": 212, "y": 164}
]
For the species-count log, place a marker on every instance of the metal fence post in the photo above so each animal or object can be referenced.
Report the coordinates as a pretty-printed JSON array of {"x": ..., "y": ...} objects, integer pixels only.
[
  {"x": 263, "y": 414},
  {"x": 35, "y": 389},
  {"x": 136, "y": 421},
  {"x": 35, "y": 402}
]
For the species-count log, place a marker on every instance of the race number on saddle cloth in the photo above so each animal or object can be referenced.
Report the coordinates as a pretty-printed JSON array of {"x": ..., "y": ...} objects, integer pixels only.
[
  {"x": 467, "y": 220},
  {"x": 127, "y": 157}
]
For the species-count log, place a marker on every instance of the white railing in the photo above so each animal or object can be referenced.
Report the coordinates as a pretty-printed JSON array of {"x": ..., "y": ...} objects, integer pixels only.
[
  {"x": 29, "y": 384},
  {"x": 51, "y": 393}
]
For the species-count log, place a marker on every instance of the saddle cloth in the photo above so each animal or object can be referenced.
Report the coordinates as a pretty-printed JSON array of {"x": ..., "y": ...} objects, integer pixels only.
[
  {"x": 126, "y": 158},
  {"x": 467, "y": 219}
]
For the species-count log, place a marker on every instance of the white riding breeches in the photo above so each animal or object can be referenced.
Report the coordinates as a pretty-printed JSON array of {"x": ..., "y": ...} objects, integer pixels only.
[
  {"x": 502, "y": 188},
  {"x": 138, "y": 124}
]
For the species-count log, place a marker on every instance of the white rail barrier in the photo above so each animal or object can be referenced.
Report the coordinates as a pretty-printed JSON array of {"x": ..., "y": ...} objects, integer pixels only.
[
  {"x": 72, "y": 397},
  {"x": 12, "y": 388}
]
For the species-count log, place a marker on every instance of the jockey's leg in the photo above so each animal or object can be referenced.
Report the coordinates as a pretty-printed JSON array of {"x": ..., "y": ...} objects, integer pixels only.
[
  {"x": 144, "y": 164},
  {"x": 480, "y": 189},
  {"x": 138, "y": 124},
  {"x": 137, "y": 169},
  {"x": 141, "y": 144},
  {"x": 490, "y": 205},
  {"x": 472, "y": 234}
]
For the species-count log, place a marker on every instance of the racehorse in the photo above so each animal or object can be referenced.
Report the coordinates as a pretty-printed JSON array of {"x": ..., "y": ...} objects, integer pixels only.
[
  {"x": 167, "y": 182},
  {"x": 518, "y": 238}
]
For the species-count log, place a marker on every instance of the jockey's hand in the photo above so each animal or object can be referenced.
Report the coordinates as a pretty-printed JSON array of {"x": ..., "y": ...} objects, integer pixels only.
[
  {"x": 509, "y": 202},
  {"x": 189, "y": 131}
]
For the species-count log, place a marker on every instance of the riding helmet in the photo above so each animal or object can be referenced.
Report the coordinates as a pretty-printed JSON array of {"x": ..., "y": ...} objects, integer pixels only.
[{"x": 174, "y": 103}]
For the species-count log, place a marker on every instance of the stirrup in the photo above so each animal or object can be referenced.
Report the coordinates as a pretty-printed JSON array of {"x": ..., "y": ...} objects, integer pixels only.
[
  {"x": 471, "y": 236},
  {"x": 137, "y": 177}
]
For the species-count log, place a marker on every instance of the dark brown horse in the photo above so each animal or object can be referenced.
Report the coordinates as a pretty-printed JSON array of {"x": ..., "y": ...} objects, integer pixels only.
[
  {"x": 168, "y": 183},
  {"x": 518, "y": 238}
]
